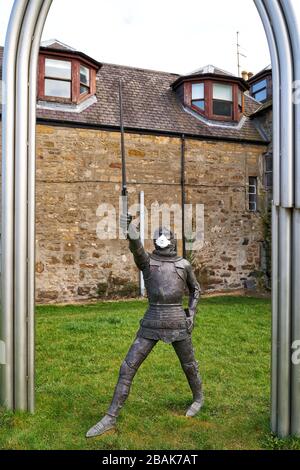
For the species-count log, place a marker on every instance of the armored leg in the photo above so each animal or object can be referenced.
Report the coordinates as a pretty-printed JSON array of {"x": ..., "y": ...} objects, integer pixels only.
[
  {"x": 135, "y": 356},
  {"x": 185, "y": 352},
  {"x": 137, "y": 353}
]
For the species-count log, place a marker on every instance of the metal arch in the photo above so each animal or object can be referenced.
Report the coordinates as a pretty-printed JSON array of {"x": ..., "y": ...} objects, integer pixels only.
[
  {"x": 18, "y": 141},
  {"x": 281, "y": 20}
]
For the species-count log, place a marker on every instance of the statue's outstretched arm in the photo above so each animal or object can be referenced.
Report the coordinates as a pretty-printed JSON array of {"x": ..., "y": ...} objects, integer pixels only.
[{"x": 141, "y": 257}]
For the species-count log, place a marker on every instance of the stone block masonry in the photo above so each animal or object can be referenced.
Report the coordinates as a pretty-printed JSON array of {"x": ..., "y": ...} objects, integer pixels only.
[{"x": 79, "y": 169}]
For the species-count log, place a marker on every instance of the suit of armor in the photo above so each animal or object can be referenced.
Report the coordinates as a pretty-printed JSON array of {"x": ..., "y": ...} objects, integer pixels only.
[{"x": 166, "y": 277}]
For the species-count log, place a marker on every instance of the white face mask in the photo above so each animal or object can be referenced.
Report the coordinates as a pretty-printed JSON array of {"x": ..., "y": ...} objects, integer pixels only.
[{"x": 162, "y": 241}]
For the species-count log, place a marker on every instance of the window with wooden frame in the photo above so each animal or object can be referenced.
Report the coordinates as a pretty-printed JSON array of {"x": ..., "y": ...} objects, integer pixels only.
[
  {"x": 216, "y": 99},
  {"x": 84, "y": 80},
  {"x": 198, "y": 100},
  {"x": 222, "y": 100},
  {"x": 65, "y": 79},
  {"x": 252, "y": 193},
  {"x": 58, "y": 79}
]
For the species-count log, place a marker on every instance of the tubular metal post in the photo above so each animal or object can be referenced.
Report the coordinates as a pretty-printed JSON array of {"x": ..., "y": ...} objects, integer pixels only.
[
  {"x": 286, "y": 101},
  {"x": 31, "y": 196},
  {"x": 292, "y": 17},
  {"x": 276, "y": 100},
  {"x": 284, "y": 332},
  {"x": 275, "y": 349},
  {"x": 275, "y": 211},
  {"x": 8, "y": 148},
  {"x": 21, "y": 215},
  {"x": 295, "y": 366},
  {"x": 281, "y": 19},
  {"x": 291, "y": 10}
]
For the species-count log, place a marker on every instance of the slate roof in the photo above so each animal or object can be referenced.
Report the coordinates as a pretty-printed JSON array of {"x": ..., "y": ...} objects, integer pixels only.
[
  {"x": 149, "y": 105},
  {"x": 263, "y": 108}
]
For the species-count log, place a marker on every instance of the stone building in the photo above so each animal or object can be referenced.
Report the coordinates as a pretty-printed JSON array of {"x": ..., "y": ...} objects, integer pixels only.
[
  {"x": 197, "y": 138},
  {"x": 261, "y": 89}
]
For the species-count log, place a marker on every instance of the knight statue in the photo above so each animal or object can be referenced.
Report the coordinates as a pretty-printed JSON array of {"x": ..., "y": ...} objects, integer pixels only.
[{"x": 166, "y": 277}]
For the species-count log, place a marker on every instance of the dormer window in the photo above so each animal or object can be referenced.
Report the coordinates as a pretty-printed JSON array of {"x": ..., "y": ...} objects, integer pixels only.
[
  {"x": 261, "y": 85},
  {"x": 222, "y": 100},
  {"x": 212, "y": 93},
  {"x": 66, "y": 76}
]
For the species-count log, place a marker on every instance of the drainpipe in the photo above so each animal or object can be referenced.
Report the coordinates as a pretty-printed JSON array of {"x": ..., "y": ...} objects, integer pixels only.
[
  {"x": 183, "y": 194},
  {"x": 142, "y": 236}
]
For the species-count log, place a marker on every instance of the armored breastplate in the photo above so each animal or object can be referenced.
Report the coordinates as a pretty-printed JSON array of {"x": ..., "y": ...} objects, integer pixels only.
[{"x": 165, "y": 280}]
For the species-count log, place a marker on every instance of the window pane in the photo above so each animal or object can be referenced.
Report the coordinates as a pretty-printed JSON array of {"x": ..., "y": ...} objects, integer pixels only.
[
  {"x": 222, "y": 108},
  {"x": 222, "y": 92},
  {"x": 197, "y": 91},
  {"x": 269, "y": 179},
  {"x": 84, "y": 75},
  {"x": 261, "y": 95},
  {"x": 252, "y": 193},
  {"x": 84, "y": 89},
  {"x": 58, "y": 69},
  {"x": 269, "y": 163},
  {"x": 199, "y": 104},
  {"x": 57, "y": 88},
  {"x": 259, "y": 85}
]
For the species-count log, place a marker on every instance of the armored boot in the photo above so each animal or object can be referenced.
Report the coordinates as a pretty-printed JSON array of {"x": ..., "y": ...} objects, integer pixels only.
[
  {"x": 107, "y": 422},
  {"x": 185, "y": 352},
  {"x": 121, "y": 393},
  {"x": 137, "y": 353},
  {"x": 192, "y": 374}
]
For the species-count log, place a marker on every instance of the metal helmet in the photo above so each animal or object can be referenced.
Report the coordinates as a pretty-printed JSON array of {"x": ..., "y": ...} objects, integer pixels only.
[{"x": 164, "y": 240}]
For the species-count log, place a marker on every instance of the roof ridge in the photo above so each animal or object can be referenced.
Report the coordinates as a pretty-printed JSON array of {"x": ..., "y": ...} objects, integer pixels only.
[
  {"x": 48, "y": 43},
  {"x": 132, "y": 67},
  {"x": 207, "y": 69}
]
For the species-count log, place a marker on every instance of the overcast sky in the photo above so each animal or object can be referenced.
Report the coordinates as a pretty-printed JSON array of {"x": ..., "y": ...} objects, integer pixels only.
[{"x": 170, "y": 35}]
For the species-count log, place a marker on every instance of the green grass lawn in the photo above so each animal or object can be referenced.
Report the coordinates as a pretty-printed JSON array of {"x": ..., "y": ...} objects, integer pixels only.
[{"x": 79, "y": 350}]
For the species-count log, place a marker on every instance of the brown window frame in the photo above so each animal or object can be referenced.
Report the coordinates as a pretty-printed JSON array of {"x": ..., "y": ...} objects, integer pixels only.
[{"x": 76, "y": 97}]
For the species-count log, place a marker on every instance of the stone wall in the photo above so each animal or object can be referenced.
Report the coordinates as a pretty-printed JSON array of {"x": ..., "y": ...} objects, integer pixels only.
[{"x": 79, "y": 169}]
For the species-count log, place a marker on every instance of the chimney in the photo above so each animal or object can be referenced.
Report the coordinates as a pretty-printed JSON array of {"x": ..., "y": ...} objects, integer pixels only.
[
  {"x": 245, "y": 75},
  {"x": 250, "y": 75}
]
